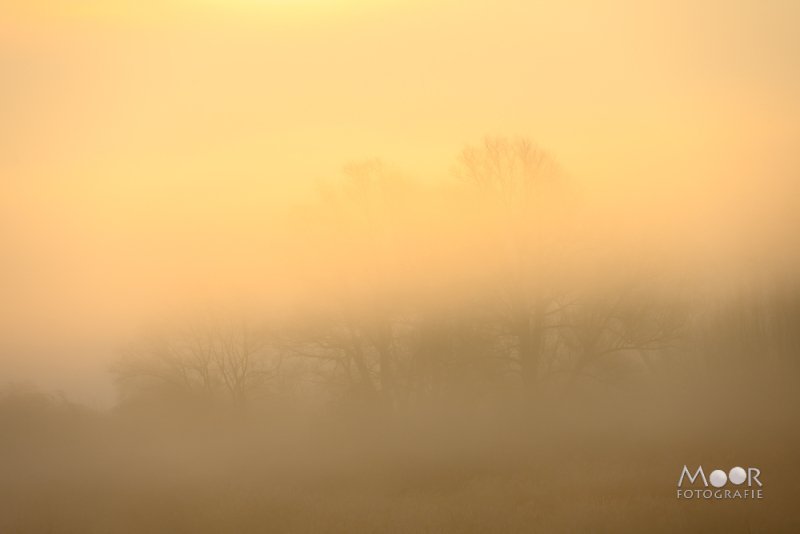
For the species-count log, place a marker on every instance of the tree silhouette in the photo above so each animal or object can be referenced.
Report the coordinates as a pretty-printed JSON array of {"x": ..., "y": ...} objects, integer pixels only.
[
  {"x": 523, "y": 182},
  {"x": 206, "y": 361}
]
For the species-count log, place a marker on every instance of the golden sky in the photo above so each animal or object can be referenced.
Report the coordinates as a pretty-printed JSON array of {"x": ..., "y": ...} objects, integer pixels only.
[{"x": 148, "y": 149}]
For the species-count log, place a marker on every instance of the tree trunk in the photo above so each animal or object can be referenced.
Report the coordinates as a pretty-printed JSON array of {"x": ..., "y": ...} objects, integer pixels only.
[
  {"x": 530, "y": 334},
  {"x": 383, "y": 343},
  {"x": 358, "y": 356}
]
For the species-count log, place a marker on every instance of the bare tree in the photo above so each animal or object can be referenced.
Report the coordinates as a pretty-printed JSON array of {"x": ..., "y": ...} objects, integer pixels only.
[
  {"x": 206, "y": 360},
  {"x": 603, "y": 329},
  {"x": 361, "y": 216},
  {"x": 522, "y": 180}
]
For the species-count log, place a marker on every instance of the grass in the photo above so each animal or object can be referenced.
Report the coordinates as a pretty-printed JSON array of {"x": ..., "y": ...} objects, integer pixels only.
[{"x": 592, "y": 469}]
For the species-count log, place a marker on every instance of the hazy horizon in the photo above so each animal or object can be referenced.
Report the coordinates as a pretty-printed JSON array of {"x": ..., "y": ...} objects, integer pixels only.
[
  {"x": 398, "y": 266},
  {"x": 136, "y": 138}
]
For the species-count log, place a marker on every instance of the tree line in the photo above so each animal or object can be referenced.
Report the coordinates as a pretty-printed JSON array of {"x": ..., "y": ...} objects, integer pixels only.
[{"x": 491, "y": 285}]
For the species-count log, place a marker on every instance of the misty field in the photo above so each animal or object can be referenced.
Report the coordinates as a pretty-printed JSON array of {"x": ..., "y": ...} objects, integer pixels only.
[
  {"x": 490, "y": 354},
  {"x": 585, "y": 467},
  {"x": 399, "y": 266}
]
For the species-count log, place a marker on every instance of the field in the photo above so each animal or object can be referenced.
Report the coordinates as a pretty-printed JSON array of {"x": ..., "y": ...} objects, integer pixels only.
[{"x": 582, "y": 467}]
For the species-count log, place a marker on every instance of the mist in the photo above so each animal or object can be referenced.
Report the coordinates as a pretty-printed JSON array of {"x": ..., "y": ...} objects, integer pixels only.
[{"x": 351, "y": 266}]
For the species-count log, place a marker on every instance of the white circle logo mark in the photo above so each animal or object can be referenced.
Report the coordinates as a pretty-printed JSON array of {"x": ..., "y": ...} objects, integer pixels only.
[
  {"x": 718, "y": 478},
  {"x": 737, "y": 476}
]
